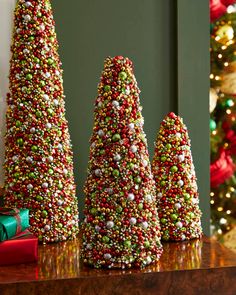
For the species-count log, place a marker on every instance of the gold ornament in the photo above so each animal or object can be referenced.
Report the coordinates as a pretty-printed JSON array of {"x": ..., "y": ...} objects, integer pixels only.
[
  {"x": 224, "y": 34},
  {"x": 213, "y": 99}
]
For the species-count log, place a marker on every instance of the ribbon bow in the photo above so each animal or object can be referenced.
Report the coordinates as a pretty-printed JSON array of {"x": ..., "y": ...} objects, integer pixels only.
[{"x": 15, "y": 213}]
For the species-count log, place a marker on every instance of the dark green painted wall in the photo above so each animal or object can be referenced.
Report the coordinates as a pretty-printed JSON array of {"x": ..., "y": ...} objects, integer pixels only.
[{"x": 144, "y": 31}]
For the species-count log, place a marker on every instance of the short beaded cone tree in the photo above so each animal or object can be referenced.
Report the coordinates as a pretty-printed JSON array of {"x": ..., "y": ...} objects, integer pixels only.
[
  {"x": 38, "y": 165},
  {"x": 121, "y": 227},
  {"x": 174, "y": 173}
]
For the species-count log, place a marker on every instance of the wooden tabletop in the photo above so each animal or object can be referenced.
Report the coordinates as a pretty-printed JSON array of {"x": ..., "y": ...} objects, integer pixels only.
[{"x": 193, "y": 267}]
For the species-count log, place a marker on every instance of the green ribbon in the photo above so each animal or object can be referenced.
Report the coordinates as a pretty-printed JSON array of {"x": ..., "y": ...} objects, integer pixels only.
[{"x": 10, "y": 221}]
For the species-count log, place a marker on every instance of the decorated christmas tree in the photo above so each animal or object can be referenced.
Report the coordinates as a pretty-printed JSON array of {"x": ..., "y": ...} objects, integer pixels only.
[
  {"x": 223, "y": 116},
  {"x": 176, "y": 185},
  {"x": 121, "y": 226},
  {"x": 38, "y": 165}
]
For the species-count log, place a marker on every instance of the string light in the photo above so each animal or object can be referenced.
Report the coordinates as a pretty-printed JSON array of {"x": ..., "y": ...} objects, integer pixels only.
[
  {"x": 214, "y": 132},
  {"x": 223, "y": 221},
  {"x": 232, "y": 189},
  {"x": 217, "y": 78},
  {"x": 220, "y": 209},
  {"x": 223, "y": 47},
  {"x": 212, "y": 202},
  {"x": 212, "y": 194},
  {"x": 220, "y": 55},
  {"x": 228, "y": 195},
  {"x": 228, "y": 212},
  {"x": 211, "y": 76},
  {"x": 226, "y": 64},
  {"x": 228, "y": 111}
]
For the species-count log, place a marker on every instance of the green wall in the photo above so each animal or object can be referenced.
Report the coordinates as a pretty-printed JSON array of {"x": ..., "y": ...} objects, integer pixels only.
[{"x": 146, "y": 32}]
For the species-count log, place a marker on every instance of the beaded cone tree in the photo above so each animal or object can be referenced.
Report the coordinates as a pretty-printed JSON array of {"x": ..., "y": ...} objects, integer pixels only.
[
  {"x": 38, "y": 165},
  {"x": 174, "y": 173},
  {"x": 121, "y": 227}
]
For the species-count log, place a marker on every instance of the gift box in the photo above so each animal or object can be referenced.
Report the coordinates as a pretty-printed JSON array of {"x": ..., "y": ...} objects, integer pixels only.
[
  {"x": 12, "y": 222},
  {"x": 23, "y": 248}
]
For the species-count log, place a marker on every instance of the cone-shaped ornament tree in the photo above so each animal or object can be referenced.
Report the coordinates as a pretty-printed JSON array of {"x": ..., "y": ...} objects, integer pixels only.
[
  {"x": 38, "y": 165},
  {"x": 121, "y": 225},
  {"x": 176, "y": 184}
]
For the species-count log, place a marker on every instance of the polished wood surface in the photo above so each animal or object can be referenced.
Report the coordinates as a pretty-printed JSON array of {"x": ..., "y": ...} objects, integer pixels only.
[{"x": 194, "y": 267}]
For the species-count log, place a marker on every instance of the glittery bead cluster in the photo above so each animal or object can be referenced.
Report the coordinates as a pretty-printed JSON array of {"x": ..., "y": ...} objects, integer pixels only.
[
  {"x": 39, "y": 167},
  {"x": 121, "y": 226},
  {"x": 175, "y": 178}
]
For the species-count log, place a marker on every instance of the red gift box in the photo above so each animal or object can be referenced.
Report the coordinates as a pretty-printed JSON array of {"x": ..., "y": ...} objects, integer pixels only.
[{"x": 23, "y": 248}]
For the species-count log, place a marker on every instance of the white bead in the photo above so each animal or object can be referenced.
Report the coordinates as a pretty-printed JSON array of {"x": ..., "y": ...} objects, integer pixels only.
[
  {"x": 183, "y": 237},
  {"x": 50, "y": 159},
  {"x": 133, "y": 148},
  {"x": 14, "y": 158},
  {"x": 29, "y": 186},
  {"x": 59, "y": 146},
  {"x": 117, "y": 157},
  {"x": 145, "y": 163},
  {"x": 97, "y": 228},
  {"x": 28, "y": 4},
  {"x": 25, "y": 51},
  {"x": 195, "y": 201},
  {"x": 177, "y": 205},
  {"x": 181, "y": 158},
  {"x": 65, "y": 171},
  {"x": 59, "y": 202},
  {"x": 178, "y": 135},
  {"x": 115, "y": 103},
  {"x": 179, "y": 224},
  {"x": 109, "y": 190},
  {"x": 144, "y": 225},
  {"x": 47, "y": 75},
  {"x": 130, "y": 197},
  {"x": 180, "y": 182},
  {"x": 89, "y": 246},
  {"x": 55, "y": 101},
  {"x": 42, "y": 27},
  {"x": 107, "y": 256},
  {"x": 45, "y": 185},
  {"x": 148, "y": 260},
  {"x": 127, "y": 91},
  {"x": 131, "y": 126},
  {"x": 27, "y": 18},
  {"x": 132, "y": 221},
  {"x": 159, "y": 195},
  {"x": 100, "y": 104},
  {"x": 29, "y": 160},
  {"x": 48, "y": 125},
  {"x": 100, "y": 133},
  {"x": 32, "y": 130},
  {"x": 47, "y": 227},
  {"x": 110, "y": 224},
  {"x": 97, "y": 172},
  {"x": 46, "y": 97},
  {"x": 148, "y": 198}
]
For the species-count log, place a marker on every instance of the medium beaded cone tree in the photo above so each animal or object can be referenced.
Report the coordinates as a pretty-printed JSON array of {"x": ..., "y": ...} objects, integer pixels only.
[
  {"x": 121, "y": 227},
  {"x": 176, "y": 184},
  {"x": 38, "y": 165}
]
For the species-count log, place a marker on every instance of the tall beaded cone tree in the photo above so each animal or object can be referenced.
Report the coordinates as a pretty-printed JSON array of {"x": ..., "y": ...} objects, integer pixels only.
[
  {"x": 38, "y": 165},
  {"x": 176, "y": 184},
  {"x": 121, "y": 227}
]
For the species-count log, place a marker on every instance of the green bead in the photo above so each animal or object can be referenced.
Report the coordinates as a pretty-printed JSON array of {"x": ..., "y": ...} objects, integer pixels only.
[
  {"x": 16, "y": 175},
  {"x": 39, "y": 198},
  {"x": 116, "y": 137},
  {"x": 39, "y": 14},
  {"x": 115, "y": 173},
  {"x": 119, "y": 209},
  {"x": 52, "y": 39},
  {"x": 229, "y": 103},
  {"x": 93, "y": 211},
  {"x": 18, "y": 123},
  {"x": 127, "y": 243},
  {"x": 107, "y": 88},
  {"x": 163, "y": 183},
  {"x": 140, "y": 206},
  {"x": 107, "y": 119},
  {"x": 186, "y": 196},
  {"x": 174, "y": 169},
  {"x": 146, "y": 244},
  {"x": 137, "y": 179},
  {"x": 102, "y": 152},
  {"x": 49, "y": 111},
  {"x": 122, "y": 75},
  {"x": 34, "y": 148},
  {"x": 38, "y": 114},
  {"x": 31, "y": 38},
  {"x": 50, "y": 61},
  {"x": 31, "y": 175},
  {"x": 68, "y": 209},
  {"x": 60, "y": 225},
  {"x": 130, "y": 166},
  {"x": 212, "y": 125},
  {"x": 44, "y": 213},
  {"x": 29, "y": 77},
  {"x": 36, "y": 60},
  {"x": 50, "y": 171},
  {"x": 42, "y": 83},
  {"x": 163, "y": 220},
  {"x": 163, "y": 158},
  {"x": 105, "y": 239},
  {"x": 168, "y": 146},
  {"x": 191, "y": 215},
  {"x": 173, "y": 216},
  {"x": 60, "y": 186},
  {"x": 20, "y": 141}
]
